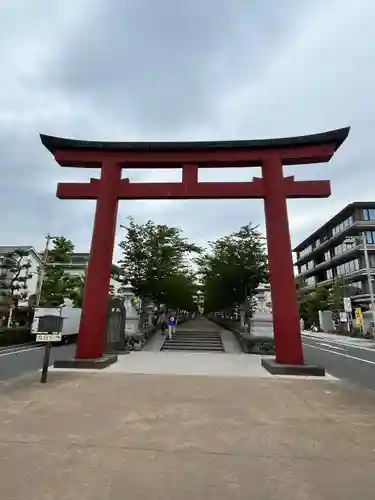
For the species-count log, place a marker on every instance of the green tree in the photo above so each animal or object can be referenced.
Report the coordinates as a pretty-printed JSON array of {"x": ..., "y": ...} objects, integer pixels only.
[
  {"x": 179, "y": 290},
  {"x": 77, "y": 294},
  {"x": 14, "y": 275},
  {"x": 317, "y": 300},
  {"x": 151, "y": 255},
  {"x": 233, "y": 267},
  {"x": 57, "y": 284},
  {"x": 337, "y": 294}
]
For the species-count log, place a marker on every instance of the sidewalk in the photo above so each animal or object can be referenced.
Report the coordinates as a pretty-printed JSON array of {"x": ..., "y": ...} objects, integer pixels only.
[{"x": 111, "y": 436}]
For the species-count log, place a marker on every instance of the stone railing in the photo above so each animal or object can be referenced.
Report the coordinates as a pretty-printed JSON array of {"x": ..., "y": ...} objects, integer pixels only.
[{"x": 250, "y": 337}]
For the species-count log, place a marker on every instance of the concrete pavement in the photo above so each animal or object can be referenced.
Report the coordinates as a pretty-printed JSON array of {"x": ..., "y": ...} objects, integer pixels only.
[{"x": 115, "y": 436}]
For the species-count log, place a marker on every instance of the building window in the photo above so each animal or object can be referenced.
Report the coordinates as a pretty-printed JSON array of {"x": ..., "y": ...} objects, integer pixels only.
[
  {"x": 369, "y": 213},
  {"x": 343, "y": 247},
  {"x": 370, "y": 237},
  {"x": 311, "y": 281},
  {"x": 329, "y": 274},
  {"x": 317, "y": 243},
  {"x": 348, "y": 267},
  {"x": 327, "y": 255},
  {"x": 355, "y": 287},
  {"x": 371, "y": 259},
  {"x": 343, "y": 225},
  {"x": 305, "y": 251}
]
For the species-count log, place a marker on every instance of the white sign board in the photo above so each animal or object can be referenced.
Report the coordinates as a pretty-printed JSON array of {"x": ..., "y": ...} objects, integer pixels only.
[
  {"x": 42, "y": 337},
  {"x": 347, "y": 304},
  {"x": 343, "y": 317}
]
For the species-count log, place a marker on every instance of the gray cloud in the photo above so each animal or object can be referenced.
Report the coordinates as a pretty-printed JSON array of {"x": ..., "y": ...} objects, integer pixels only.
[{"x": 169, "y": 70}]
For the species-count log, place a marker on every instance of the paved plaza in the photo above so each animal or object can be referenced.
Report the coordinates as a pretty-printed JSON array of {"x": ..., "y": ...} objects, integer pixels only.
[{"x": 95, "y": 437}]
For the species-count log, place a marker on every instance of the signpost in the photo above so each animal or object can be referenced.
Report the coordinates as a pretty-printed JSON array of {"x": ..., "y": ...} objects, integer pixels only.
[
  {"x": 348, "y": 311},
  {"x": 49, "y": 328}
]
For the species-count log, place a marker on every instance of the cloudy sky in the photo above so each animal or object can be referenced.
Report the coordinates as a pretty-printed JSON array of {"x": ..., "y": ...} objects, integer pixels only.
[{"x": 180, "y": 70}]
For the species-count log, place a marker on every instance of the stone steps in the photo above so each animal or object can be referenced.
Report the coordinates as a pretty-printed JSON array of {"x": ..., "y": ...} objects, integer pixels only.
[{"x": 194, "y": 341}]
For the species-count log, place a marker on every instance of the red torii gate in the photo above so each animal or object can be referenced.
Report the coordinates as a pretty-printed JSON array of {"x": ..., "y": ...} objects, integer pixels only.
[{"x": 273, "y": 187}]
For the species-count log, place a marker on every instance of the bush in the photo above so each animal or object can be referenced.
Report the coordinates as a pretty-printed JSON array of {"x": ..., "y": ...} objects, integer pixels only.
[
  {"x": 15, "y": 335},
  {"x": 356, "y": 332}
]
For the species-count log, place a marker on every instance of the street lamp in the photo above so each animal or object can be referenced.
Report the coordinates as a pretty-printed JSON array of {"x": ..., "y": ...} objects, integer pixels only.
[
  {"x": 42, "y": 272},
  {"x": 369, "y": 279},
  {"x": 199, "y": 300}
]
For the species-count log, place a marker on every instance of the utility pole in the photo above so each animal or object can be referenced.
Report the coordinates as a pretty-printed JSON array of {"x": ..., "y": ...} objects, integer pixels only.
[
  {"x": 42, "y": 271},
  {"x": 369, "y": 280}
]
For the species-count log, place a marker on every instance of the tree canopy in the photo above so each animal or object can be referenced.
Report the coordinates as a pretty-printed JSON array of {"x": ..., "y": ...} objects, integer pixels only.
[
  {"x": 232, "y": 268},
  {"x": 57, "y": 283},
  {"x": 154, "y": 257},
  {"x": 321, "y": 298},
  {"x": 14, "y": 277}
]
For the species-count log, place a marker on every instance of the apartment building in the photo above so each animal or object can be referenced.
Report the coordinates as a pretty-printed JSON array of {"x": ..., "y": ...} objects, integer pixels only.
[
  {"x": 79, "y": 263},
  {"x": 336, "y": 251},
  {"x": 33, "y": 258},
  {"x": 76, "y": 267}
]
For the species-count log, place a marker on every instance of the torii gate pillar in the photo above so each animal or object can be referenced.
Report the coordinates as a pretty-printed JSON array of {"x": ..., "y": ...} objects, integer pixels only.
[{"x": 273, "y": 187}]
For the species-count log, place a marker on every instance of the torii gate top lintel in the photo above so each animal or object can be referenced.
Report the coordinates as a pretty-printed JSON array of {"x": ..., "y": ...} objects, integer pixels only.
[{"x": 312, "y": 148}]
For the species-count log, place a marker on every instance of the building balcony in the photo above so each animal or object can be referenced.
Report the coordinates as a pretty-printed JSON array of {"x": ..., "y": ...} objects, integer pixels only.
[
  {"x": 355, "y": 228},
  {"x": 338, "y": 259},
  {"x": 357, "y": 275}
]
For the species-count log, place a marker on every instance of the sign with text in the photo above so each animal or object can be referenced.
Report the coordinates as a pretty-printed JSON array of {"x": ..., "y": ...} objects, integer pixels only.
[
  {"x": 347, "y": 304},
  {"x": 48, "y": 337},
  {"x": 343, "y": 317}
]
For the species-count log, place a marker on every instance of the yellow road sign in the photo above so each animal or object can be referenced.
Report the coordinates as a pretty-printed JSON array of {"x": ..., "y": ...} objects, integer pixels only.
[{"x": 358, "y": 316}]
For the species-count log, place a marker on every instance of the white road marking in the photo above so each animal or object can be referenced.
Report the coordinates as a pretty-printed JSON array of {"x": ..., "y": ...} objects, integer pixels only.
[
  {"x": 347, "y": 344},
  {"x": 332, "y": 346},
  {"x": 342, "y": 354},
  {"x": 19, "y": 351}
]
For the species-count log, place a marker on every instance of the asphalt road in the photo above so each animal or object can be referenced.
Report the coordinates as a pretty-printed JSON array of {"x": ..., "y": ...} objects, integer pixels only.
[
  {"x": 353, "y": 360},
  {"x": 19, "y": 361}
]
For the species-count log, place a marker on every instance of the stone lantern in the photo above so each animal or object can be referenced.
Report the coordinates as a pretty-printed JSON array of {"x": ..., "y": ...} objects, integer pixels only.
[
  {"x": 150, "y": 310},
  {"x": 132, "y": 305}
]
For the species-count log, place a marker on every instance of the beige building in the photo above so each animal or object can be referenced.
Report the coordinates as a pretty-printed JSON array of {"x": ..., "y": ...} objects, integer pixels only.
[{"x": 77, "y": 267}]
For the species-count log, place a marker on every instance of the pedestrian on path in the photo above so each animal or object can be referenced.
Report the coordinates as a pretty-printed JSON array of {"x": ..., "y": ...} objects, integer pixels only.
[
  {"x": 171, "y": 326},
  {"x": 302, "y": 324},
  {"x": 163, "y": 323}
]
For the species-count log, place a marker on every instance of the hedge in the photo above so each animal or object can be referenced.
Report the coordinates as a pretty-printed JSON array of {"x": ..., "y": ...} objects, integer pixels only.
[{"x": 15, "y": 335}]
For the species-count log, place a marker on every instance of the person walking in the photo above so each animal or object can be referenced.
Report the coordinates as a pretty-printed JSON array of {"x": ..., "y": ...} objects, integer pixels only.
[
  {"x": 171, "y": 326},
  {"x": 163, "y": 323}
]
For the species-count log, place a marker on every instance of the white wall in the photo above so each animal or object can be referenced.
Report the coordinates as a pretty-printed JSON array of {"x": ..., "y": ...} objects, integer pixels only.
[
  {"x": 74, "y": 271},
  {"x": 116, "y": 285}
]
